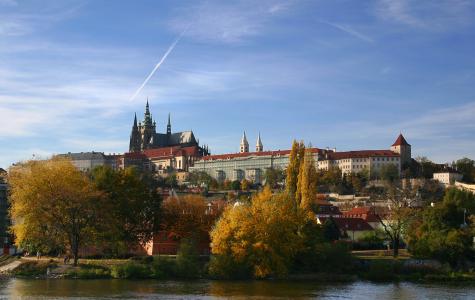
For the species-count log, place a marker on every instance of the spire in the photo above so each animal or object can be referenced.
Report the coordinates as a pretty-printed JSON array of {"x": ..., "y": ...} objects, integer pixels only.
[
  {"x": 244, "y": 147},
  {"x": 147, "y": 116},
  {"x": 135, "y": 120},
  {"x": 259, "y": 147},
  {"x": 169, "y": 126}
]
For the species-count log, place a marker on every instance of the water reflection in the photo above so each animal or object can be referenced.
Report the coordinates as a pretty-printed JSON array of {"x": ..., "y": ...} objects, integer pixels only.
[{"x": 129, "y": 289}]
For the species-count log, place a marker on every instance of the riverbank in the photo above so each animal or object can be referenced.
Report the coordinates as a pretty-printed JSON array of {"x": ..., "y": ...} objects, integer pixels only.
[{"x": 167, "y": 268}]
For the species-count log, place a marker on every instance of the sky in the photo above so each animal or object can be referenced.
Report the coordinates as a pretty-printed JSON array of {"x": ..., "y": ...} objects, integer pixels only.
[{"x": 339, "y": 73}]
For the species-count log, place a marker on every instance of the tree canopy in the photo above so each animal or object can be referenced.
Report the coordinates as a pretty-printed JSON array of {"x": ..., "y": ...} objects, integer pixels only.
[{"x": 53, "y": 204}]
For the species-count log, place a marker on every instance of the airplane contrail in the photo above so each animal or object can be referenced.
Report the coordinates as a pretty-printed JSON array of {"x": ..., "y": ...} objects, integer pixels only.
[{"x": 170, "y": 49}]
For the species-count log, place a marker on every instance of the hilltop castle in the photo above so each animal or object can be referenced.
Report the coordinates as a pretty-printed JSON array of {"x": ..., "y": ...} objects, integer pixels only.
[{"x": 144, "y": 136}]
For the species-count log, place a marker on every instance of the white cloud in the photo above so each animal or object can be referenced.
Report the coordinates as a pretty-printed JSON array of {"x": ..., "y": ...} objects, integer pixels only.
[
  {"x": 427, "y": 14},
  {"x": 351, "y": 31},
  {"x": 225, "y": 21}
]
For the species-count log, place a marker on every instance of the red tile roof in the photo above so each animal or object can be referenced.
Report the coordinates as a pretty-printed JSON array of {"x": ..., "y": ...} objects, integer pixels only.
[
  {"x": 248, "y": 154},
  {"x": 360, "y": 154},
  {"x": 164, "y": 152},
  {"x": 401, "y": 141}
]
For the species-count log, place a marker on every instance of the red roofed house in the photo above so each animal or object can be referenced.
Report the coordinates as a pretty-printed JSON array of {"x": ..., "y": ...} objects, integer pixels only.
[
  {"x": 367, "y": 213},
  {"x": 350, "y": 228}
]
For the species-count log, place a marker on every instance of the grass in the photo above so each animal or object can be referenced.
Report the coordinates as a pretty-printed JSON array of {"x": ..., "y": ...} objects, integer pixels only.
[{"x": 33, "y": 268}]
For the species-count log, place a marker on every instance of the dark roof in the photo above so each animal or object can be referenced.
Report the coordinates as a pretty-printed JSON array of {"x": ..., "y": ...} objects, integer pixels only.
[
  {"x": 84, "y": 155},
  {"x": 401, "y": 141},
  {"x": 349, "y": 224},
  {"x": 248, "y": 154},
  {"x": 177, "y": 138}
]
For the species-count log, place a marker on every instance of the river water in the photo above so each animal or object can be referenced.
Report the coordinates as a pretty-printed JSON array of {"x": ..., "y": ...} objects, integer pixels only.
[{"x": 129, "y": 289}]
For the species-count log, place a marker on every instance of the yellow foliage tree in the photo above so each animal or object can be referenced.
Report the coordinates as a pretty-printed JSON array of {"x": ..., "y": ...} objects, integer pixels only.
[
  {"x": 307, "y": 181},
  {"x": 262, "y": 235},
  {"x": 54, "y": 205}
]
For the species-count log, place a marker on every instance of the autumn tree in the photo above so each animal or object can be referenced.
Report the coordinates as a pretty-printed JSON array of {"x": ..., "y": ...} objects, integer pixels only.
[
  {"x": 245, "y": 185},
  {"x": 134, "y": 207},
  {"x": 307, "y": 181},
  {"x": 261, "y": 237},
  {"x": 189, "y": 216},
  {"x": 53, "y": 204},
  {"x": 293, "y": 169}
]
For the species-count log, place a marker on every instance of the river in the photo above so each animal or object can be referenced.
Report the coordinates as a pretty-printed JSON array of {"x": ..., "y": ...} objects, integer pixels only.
[{"x": 205, "y": 289}]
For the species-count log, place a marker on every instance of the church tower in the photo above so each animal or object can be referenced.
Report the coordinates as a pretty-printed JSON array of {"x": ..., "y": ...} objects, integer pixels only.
[
  {"x": 134, "y": 144},
  {"x": 244, "y": 144},
  {"x": 259, "y": 147},
  {"x": 402, "y": 147},
  {"x": 147, "y": 129}
]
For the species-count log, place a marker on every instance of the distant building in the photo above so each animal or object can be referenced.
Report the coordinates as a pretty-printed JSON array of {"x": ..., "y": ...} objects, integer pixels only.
[
  {"x": 87, "y": 161},
  {"x": 245, "y": 165},
  {"x": 144, "y": 136},
  {"x": 351, "y": 229},
  {"x": 367, "y": 213},
  {"x": 448, "y": 177},
  {"x": 252, "y": 165},
  {"x": 162, "y": 161},
  {"x": 370, "y": 161}
]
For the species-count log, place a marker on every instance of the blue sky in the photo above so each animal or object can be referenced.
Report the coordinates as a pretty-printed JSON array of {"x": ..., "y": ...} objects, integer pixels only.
[{"x": 344, "y": 74}]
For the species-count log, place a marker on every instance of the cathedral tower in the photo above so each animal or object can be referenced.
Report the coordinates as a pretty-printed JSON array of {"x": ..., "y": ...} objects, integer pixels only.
[
  {"x": 259, "y": 147},
  {"x": 135, "y": 139},
  {"x": 244, "y": 144}
]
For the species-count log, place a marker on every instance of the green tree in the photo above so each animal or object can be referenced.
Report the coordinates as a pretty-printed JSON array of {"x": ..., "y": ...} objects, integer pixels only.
[
  {"x": 445, "y": 231},
  {"x": 53, "y": 204},
  {"x": 134, "y": 207},
  {"x": 389, "y": 172},
  {"x": 236, "y": 185},
  {"x": 466, "y": 167},
  {"x": 274, "y": 176},
  {"x": 331, "y": 232}
]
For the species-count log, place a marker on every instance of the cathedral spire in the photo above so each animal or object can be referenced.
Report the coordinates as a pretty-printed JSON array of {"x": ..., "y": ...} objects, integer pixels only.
[
  {"x": 169, "y": 126},
  {"x": 147, "y": 116},
  {"x": 259, "y": 147},
  {"x": 135, "y": 120}
]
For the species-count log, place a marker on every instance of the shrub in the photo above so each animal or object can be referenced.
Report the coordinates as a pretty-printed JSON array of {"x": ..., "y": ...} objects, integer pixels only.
[
  {"x": 164, "y": 268},
  {"x": 130, "y": 271},
  {"x": 187, "y": 260},
  {"x": 142, "y": 259},
  {"x": 225, "y": 267},
  {"x": 335, "y": 257}
]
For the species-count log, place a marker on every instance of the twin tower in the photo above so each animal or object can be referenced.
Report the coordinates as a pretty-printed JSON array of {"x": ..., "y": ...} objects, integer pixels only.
[{"x": 244, "y": 147}]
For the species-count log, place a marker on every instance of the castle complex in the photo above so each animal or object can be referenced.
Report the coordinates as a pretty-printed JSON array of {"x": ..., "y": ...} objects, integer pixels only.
[
  {"x": 252, "y": 165},
  {"x": 180, "y": 153}
]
